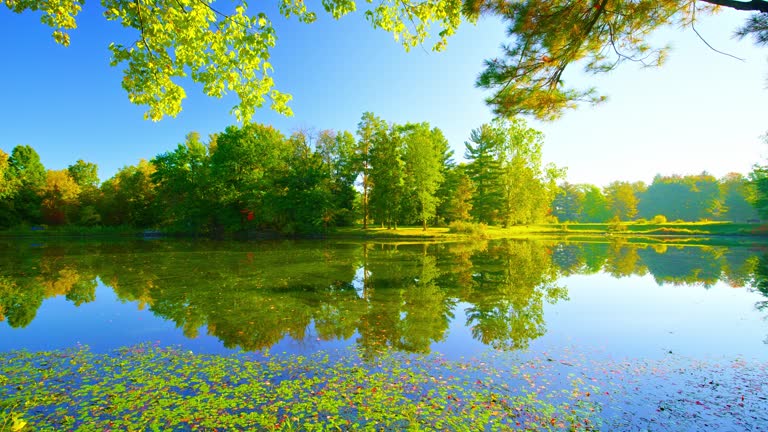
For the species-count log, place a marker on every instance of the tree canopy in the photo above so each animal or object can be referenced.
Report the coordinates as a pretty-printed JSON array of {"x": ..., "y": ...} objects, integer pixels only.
[
  {"x": 548, "y": 36},
  {"x": 226, "y": 47},
  {"x": 223, "y": 46}
]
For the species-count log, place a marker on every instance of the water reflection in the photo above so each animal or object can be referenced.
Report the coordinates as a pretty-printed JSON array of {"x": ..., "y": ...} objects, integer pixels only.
[{"x": 405, "y": 296}]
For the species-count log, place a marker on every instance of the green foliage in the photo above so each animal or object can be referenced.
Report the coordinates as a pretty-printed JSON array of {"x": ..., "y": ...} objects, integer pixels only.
[
  {"x": 305, "y": 203},
  {"x": 457, "y": 192},
  {"x": 387, "y": 175},
  {"x": 484, "y": 170},
  {"x": 512, "y": 186},
  {"x": 616, "y": 225},
  {"x": 595, "y": 205},
  {"x": 621, "y": 200},
  {"x": 691, "y": 198},
  {"x": 369, "y": 130},
  {"x": 568, "y": 204},
  {"x": 28, "y": 174},
  {"x": 424, "y": 155},
  {"x": 223, "y": 47},
  {"x": 244, "y": 166},
  {"x": 85, "y": 174},
  {"x": 477, "y": 230},
  {"x": 146, "y": 387},
  {"x": 59, "y": 197},
  {"x": 736, "y": 193},
  {"x": 337, "y": 150},
  {"x": 546, "y": 37},
  {"x": 659, "y": 219},
  {"x": 8, "y": 182},
  {"x": 759, "y": 180},
  {"x": 129, "y": 197},
  {"x": 183, "y": 183}
]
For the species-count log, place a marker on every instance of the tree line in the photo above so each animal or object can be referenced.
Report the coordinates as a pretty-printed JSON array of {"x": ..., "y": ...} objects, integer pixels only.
[
  {"x": 667, "y": 198},
  {"x": 255, "y": 178}
]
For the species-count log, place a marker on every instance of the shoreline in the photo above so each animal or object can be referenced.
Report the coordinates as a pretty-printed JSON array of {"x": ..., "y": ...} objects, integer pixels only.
[{"x": 633, "y": 232}]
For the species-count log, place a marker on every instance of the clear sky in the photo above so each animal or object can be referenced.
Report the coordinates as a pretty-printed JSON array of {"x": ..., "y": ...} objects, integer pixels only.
[{"x": 701, "y": 112}]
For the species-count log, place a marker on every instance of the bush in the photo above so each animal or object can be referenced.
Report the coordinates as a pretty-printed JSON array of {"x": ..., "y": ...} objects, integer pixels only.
[
  {"x": 616, "y": 225},
  {"x": 659, "y": 219},
  {"x": 641, "y": 221},
  {"x": 470, "y": 228}
]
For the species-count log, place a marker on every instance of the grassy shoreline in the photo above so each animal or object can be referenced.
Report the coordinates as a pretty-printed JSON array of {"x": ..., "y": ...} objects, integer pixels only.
[{"x": 630, "y": 231}]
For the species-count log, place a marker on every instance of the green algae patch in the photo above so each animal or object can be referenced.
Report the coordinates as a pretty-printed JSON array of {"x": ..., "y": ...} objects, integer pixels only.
[{"x": 152, "y": 388}]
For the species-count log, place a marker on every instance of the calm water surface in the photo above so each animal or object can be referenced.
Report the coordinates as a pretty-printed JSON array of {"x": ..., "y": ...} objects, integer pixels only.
[{"x": 610, "y": 299}]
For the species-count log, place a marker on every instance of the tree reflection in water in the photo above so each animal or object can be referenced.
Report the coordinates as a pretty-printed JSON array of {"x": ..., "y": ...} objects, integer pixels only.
[{"x": 398, "y": 295}]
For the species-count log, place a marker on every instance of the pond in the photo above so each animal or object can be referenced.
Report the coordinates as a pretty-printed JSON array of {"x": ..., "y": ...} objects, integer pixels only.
[{"x": 653, "y": 321}]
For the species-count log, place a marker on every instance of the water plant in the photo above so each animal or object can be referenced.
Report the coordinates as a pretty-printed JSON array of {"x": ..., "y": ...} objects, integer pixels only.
[{"x": 148, "y": 387}]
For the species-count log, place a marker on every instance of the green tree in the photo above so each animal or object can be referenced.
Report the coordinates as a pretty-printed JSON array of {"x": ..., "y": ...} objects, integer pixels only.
[
  {"x": 758, "y": 178},
  {"x": 691, "y": 198},
  {"x": 736, "y": 194},
  {"x": 506, "y": 164},
  {"x": 244, "y": 166},
  {"x": 665, "y": 196},
  {"x": 369, "y": 130},
  {"x": 528, "y": 187},
  {"x": 387, "y": 176},
  {"x": 548, "y": 36},
  {"x": 338, "y": 153},
  {"x": 129, "y": 197},
  {"x": 59, "y": 197},
  {"x": 621, "y": 200},
  {"x": 595, "y": 205},
  {"x": 424, "y": 156},
  {"x": 8, "y": 182},
  {"x": 182, "y": 181},
  {"x": 85, "y": 174},
  {"x": 484, "y": 169},
  {"x": 568, "y": 204},
  {"x": 303, "y": 197},
  {"x": 458, "y": 191},
  {"x": 29, "y": 173}
]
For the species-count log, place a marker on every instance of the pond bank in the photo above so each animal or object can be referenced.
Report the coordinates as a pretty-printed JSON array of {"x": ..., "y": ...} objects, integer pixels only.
[{"x": 624, "y": 230}]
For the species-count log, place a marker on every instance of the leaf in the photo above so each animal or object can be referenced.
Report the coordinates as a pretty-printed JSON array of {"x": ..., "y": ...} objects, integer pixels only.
[{"x": 18, "y": 424}]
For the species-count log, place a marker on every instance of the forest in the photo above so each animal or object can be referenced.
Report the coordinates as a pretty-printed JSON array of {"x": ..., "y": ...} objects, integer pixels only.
[{"x": 253, "y": 178}]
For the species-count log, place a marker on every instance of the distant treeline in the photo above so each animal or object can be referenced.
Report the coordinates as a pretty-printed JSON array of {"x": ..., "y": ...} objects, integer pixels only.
[
  {"x": 253, "y": 178},
  {"x": 668, "y": 198}
]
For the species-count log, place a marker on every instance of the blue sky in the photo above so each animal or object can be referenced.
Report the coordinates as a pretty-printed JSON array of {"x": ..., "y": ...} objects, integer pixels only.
[{"x": 701, "y": 112}]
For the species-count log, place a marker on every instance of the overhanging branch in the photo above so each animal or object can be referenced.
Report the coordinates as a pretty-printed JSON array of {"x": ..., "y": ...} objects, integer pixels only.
[{"x": 752, "y": 5}]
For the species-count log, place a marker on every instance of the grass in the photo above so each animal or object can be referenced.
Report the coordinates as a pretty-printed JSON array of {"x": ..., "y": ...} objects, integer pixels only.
[
  {"x": 624, "y": 229},
  {"x": 462, "y": 231}
]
